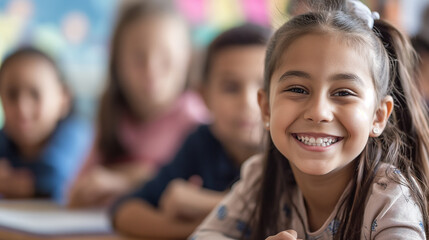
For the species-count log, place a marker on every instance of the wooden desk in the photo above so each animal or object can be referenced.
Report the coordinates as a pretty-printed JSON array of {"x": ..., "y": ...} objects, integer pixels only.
[
  {"x": 12, "y": 235},
  {"x": 37, "y": 220}
]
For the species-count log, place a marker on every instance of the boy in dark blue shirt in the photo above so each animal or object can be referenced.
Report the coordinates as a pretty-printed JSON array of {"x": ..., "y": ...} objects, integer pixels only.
[
  {"x": 187, "y": 189},
  {"x": 201, "y": 155}
]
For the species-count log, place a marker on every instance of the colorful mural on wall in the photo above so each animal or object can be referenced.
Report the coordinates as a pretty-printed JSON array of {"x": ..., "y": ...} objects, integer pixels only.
[
  {"x": 74, "y": 32},
  {"x": 77, "y": 32}
]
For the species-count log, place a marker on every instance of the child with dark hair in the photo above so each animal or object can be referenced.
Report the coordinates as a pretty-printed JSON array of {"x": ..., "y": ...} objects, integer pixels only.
[
  {"x": 186, "y": 190},
  {"x": 347, "y": 153},
  {"x": 42, "y": 145}
]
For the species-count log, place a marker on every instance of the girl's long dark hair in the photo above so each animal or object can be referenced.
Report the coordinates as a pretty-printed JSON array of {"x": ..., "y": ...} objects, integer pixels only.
[{"x": 404, "y": 143}]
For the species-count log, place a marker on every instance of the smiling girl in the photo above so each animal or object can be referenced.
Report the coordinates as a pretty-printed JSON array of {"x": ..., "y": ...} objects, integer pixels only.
[
  {"x": 43, "y": 142},
  {"x": 347, "y": 154}
]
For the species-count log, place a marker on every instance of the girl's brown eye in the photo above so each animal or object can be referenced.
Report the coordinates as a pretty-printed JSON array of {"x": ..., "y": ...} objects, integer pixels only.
[
  {"x": 344, "y": 93},
  {"x": 297, "y": 90}
]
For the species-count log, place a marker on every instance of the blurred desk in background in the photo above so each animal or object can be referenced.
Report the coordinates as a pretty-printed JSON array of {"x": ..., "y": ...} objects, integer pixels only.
[
  {"x": 41, "y": 219},
  {"x": 11, "y": 235}
]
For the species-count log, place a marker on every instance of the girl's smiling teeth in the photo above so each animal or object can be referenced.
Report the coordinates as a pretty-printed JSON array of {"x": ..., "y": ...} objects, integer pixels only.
[{"x": 316, "y": 141}]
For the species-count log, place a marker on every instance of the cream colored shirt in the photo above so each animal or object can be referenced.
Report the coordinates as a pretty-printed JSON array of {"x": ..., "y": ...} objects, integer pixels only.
[{"x": 390, "y": 211}]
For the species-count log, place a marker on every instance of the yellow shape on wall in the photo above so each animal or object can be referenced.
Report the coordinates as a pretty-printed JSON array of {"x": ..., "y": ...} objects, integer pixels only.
[{"x": 225, "y": 13}]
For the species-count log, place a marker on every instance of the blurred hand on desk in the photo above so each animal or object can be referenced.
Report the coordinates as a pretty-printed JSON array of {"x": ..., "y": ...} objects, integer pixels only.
[
  {"x": 98, "y": 188},
  {"x": 188, "y": 200},
  {"x": 102, "y": 185},
  {"x": 15, "y": 183}
]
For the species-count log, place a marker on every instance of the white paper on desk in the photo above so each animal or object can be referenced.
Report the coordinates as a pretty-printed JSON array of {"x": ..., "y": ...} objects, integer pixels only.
[{"x": 47, "y": 218}]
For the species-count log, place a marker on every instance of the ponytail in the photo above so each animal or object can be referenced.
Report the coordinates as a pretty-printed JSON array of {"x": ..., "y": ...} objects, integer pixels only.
[{"x": 410, "y": 114}]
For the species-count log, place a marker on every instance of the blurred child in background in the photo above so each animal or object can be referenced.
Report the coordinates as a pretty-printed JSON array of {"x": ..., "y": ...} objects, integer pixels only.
[
  {"x": 186, "y": 190},
  {"x": 42, "y": 146},
  {"x": 421, "y": 44},
  {"x": 144, "y": 114}
]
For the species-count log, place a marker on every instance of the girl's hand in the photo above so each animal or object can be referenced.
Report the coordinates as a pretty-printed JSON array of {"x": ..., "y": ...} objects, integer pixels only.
[
  {"x": 97, "y": 188},
  {"x": 5, "y": 168},
  {"x": 285, "y": 235},
  {"x": 178, "y": 199},
  {"x": 5, "y": 174}
]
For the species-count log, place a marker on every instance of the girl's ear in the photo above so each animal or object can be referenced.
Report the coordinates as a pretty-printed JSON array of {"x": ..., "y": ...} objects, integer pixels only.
[
  {"x": 381, "y": 116},
  {"x": 265, "y": 108}
]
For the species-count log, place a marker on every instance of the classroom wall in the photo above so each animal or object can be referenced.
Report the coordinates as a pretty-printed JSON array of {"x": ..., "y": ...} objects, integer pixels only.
[{"x": 77, "y": 32}]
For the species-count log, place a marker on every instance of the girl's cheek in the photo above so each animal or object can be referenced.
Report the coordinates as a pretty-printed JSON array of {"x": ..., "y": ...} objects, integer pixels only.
[{"x": 358, "y": 122}]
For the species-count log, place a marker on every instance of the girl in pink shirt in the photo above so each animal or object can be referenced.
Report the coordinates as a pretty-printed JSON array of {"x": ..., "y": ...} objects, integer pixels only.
[{"x": 144, "y": 114}]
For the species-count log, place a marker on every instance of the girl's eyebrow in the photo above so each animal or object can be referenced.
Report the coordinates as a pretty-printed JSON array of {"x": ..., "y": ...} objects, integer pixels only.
[
  {"x": 339, "y": 76},
  {"x": 294, "y": 73},
  {"x": 348, "y": 76}
]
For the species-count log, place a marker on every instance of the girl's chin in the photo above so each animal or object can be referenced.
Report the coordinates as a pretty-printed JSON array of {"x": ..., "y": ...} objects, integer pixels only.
[
  {"x": 315, "y": 172},
  {"x": 313, "y": 169}
]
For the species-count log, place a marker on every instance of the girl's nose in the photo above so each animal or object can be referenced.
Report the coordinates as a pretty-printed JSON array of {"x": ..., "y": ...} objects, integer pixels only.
[{"x": 319, "y": 110}]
